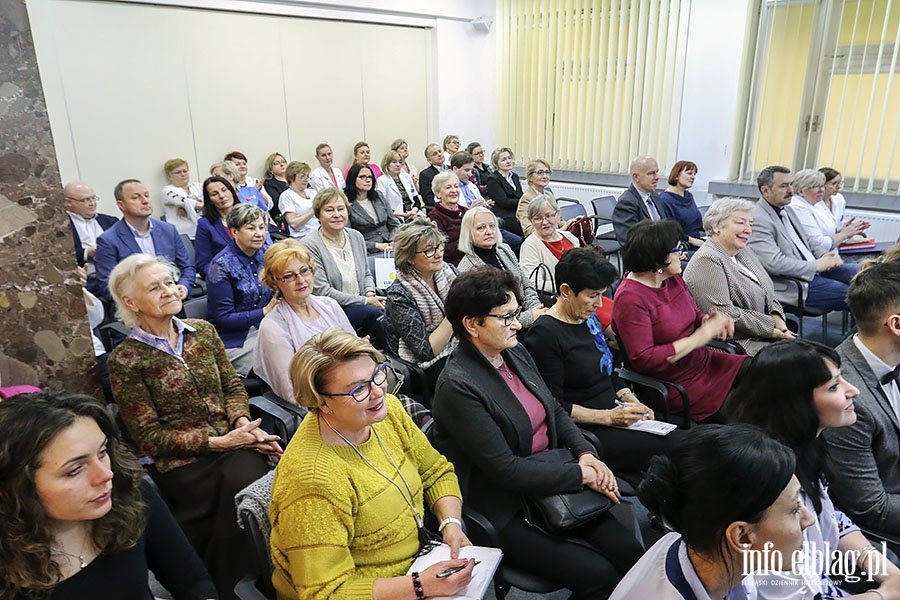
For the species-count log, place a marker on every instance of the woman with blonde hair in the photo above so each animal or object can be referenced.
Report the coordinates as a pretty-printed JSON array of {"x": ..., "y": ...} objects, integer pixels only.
[
  {"x": 275, "y": 182},
  {"x": 349, "y": 495},
  {"x": 410, "y": 169},
  {"x": 537, "y": 174},
  {"x": 289, "y": 270},
  {"x": 398, "y": 188},
  {"x": 295, "y": 203},
  {"x": 182, "y": 198}
]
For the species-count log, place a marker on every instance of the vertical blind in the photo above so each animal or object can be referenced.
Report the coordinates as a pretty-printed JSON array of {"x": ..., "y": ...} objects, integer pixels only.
[
  {"x": 824, "y": 91},
  {"x": 589, "y": 84}
]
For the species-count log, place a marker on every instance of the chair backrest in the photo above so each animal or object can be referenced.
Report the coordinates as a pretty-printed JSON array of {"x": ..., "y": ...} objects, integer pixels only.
[
  {"x": 252, "y": 504},
  {"x": 570, "y": 211},
  {"x": 195, "y": 308},
  {"x": 278, "y": 416},
  {"x": 189, "y": 246},
  {"x": 604, "y": 206}
]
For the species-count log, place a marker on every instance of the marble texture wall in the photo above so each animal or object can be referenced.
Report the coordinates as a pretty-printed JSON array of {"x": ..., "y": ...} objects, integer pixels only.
[{"x": 44, "y": 321}]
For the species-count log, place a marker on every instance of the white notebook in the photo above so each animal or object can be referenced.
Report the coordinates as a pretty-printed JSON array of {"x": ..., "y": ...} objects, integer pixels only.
[
  {"x": 489, "y": 559},
  {"x": 654, "y": 427}
]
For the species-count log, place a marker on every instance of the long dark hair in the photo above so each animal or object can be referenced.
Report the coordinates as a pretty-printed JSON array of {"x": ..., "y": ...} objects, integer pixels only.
[
  {"x": 777, "y": 395},
  {"x": 30, "y": 422},
  {"x": 350, "y": 187},
  {"x": 209, "y": 209}
]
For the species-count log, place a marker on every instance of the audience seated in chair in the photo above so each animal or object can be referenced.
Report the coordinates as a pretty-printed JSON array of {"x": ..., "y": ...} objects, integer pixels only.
[
  {"x": 275, "y": 182},
  {"x": 547, "y": 243},
  {"x": 641, "y": 200},
  {"x": 435, "y": 157},
  {"x": 865, "y": 480},
  {"x": 400, "y": 145},
  {"x": 505, "y": 189},
  {"x": 229, "y": 171},
  {"x": 398, "y": 187},
  {"x": 721, "y": 491},
  {"x": 248, "y": 185},
  {"x": 480, "y": 244},
  {"x": 79, "y": 519},
  {"x": 572, "y": 355},
  {"x": 537, "y": 174},
  {"x": 781, "y": 245},
  {"x": 816, "y": 218},
  {"x": 342, "y": 269},
  {"x": 182, "y": 198},
  {"x": 492, "y": 413},
  {"x": 448, "y": 212},
  {"x": 238, "y": 300},
  {"x": 326, "y": 174},
  {"x": 184, "y": 405},
  {"x": 352, "y": 486},
  {"x": 663, "y": 332},
  {"x": 725, "y": 275},
  {"x": 85, "y": 222},
  {"x": 417, "y": 329},
  {"x": 370, "y": 214},
  {"x": 219, "y": 197},
  {"x": 295, "y": 203},
  {"x": 678, "y": 203},
  {"x": 138, "y": 233},
  {"x": 290, "y": 271},
  {"x": 361, "y": 157},
  {"x": 794, "y": 391}
]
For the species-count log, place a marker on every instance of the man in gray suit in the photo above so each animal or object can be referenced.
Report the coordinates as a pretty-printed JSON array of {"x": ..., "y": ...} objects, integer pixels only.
[
  {"x": 781, "y": 246},
  {"x": 865, "y": 457},
  {"x": 640, "y": 201}
]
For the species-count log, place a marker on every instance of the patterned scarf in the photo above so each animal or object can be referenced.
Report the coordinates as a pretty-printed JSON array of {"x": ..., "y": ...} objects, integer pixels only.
[
  {"x": 431, "y": 307},
  {"x": 596, "y": 329}
]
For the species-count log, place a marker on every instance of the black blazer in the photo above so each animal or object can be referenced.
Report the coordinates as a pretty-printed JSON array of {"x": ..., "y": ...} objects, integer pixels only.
[
  {"x": 426, "y": 176},
  {"x": 105, "y": 221},
  {"x": 481, "y": 426},
  {"x": 630, "y": 210},
  {"x": 505, "y": 196}
]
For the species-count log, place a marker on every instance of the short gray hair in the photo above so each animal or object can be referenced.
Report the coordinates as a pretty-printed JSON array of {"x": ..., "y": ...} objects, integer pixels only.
[
  {"x": 467, "y": 228},
  {"x": 539, "y": 202},
  {"x": 245, "y": 213},
  {"x": 440, "y": 179},
  {"x": 721, "y": 209},
  {"x": 807, "y": 178},
  {"x": 407, "y": 238},
  {"x": 121, "y": 281}
]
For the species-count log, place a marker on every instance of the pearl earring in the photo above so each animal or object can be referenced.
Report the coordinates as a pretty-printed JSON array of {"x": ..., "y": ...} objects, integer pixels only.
[
  {"x": 745, "y": 546},
  {"x": 659, "y": 271}
]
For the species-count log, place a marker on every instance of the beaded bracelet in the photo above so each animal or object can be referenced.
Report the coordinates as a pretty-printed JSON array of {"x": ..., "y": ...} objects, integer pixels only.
[{"x": 417, "y": 585}]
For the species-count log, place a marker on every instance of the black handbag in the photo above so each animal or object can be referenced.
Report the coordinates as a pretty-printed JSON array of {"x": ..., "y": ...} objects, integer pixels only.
[{"x": 559, "y": 513}]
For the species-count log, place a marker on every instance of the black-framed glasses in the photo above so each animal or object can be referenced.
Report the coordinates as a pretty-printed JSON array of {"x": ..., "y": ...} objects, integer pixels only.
[
  {"x": 291, "y": 276},
  {"x": 364, "y": 177},
  {"x": 430, "y": 251},
  {"x": 544, "y": 173},
  {"x": 361, "y": 392},
  {"x": 680, "y": 248},
  {"x": 508, "y": 317}
]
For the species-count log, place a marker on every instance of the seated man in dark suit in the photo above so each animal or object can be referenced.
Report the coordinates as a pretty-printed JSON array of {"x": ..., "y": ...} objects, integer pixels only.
[
  {"x": 85, "y": 222},
  {"x": 137, "y": 232},
  {"x": 865, "y": 457},
  {"x": 435, "y": 157},
  {"x": 641, "y": 200}
]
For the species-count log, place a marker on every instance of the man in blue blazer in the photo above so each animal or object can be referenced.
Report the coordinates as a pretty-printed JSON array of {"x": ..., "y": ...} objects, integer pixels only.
[
  {"x": 85, "y": 222},
  {"x": 640, "y": 201},
  {"x": 135, "y": 233}
]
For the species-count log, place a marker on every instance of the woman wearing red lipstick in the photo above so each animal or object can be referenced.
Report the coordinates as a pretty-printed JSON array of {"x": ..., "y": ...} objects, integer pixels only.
[
  {"x": 290, "y": 271},
  {"x": 78, "y": 522},
  {"x": 795, "y": 410},
  {"x": 348, "y": 499},
  {"x": 726, "y": 275}
]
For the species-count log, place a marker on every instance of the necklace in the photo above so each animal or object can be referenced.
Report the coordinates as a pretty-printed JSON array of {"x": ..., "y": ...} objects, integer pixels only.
[
  {"x": 503, "y": 369},
  {"x": 81, "y": 562},
  {"x": 409, "y": 500}
]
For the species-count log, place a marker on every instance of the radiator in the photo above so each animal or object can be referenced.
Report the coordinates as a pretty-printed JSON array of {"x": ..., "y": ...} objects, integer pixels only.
[
  {"x": 583, "y": 192},
  {"x": 885, "y": 226}
]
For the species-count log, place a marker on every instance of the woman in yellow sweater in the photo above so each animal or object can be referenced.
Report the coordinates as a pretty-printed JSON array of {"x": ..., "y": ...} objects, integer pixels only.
[{"x": 348, "y": 496}]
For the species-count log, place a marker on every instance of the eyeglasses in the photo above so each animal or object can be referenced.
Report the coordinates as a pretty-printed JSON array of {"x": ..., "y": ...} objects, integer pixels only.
[
  {"x": 91, "y": 200},
  {"x": 508, "y": 317},
  {"x": 364, "y": 177},
  {"x": 292, "y": 276},
  {"x": 681, "y": 248},
  {"x": 543, "y": 173},
  {"x": 430, "y": 251},
  {"x": 548, "y": 218},
  {"x": 361, "y": 392}
]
